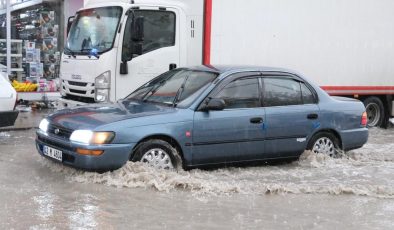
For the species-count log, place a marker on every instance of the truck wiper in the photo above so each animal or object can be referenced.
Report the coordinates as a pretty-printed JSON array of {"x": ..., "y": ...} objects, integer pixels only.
[{"x": 70, "y": 51}]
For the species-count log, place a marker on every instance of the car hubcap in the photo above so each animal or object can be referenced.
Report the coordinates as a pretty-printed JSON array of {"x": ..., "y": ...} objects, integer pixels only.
[
  {"x": 373, "y": 113},
  {"x": 157, "y": 158},
  {"x": 324, "y": 146}
]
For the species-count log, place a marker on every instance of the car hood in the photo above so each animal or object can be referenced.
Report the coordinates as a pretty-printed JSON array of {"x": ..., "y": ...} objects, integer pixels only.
[{"x": 90, "y": 117}]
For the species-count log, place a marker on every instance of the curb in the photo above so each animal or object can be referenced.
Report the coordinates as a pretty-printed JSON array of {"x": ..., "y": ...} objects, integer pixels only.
[{"x": 17, "y": 129}]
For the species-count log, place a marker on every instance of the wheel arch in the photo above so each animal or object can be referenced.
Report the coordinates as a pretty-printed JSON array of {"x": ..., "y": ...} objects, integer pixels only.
[
  {"x": 167, "y": 138},
  {"x": 332, "y": 131}
]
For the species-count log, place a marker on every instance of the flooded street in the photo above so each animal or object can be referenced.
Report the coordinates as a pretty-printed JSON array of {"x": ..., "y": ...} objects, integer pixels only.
[{"x": 353, "y": 191}]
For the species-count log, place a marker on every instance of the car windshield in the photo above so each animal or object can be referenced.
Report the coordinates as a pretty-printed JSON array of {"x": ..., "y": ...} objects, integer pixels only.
[
  {"x": 173, "y": 86},
  {"x": 93, "y": 31}
]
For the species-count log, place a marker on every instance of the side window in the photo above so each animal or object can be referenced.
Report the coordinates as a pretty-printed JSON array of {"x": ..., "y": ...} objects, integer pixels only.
[
  {"x": 241, "y": 93},
  {"x": 159, "y": 31},
  {"x": 281, "y": 91},
  {"x": 307, "y": 95}
]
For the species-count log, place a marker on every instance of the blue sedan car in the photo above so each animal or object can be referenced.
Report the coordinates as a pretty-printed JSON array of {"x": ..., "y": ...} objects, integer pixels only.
[{"x": 190, "y": 117}]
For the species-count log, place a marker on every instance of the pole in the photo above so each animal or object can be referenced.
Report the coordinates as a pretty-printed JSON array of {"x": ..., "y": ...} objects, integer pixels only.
[{"x": 8, "y": 40}]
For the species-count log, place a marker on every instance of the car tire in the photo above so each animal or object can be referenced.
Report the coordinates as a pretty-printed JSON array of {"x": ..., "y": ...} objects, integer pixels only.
[
  {"x": 375, "y": 111},
  {"x": 324, "y": 143},
  {"x": 158, "y": 154}
]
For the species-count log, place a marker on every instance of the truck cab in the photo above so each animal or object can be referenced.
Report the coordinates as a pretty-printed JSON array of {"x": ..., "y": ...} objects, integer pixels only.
[
  {"x": 113, "y": 47},
  {"x": 8, "y": 97}
]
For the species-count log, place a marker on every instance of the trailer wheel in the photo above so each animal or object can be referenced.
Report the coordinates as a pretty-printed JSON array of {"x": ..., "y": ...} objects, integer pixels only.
[{"x": 375, "y": 111}]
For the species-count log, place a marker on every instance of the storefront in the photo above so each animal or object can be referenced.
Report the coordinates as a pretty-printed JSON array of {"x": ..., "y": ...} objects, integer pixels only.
[{"x": 38, "y": 33}]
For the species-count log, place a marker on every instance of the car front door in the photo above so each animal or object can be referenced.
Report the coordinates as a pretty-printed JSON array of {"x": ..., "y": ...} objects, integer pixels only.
[
  {"x": 291, "y": 115},
  {"x": 235, "y": 133}
]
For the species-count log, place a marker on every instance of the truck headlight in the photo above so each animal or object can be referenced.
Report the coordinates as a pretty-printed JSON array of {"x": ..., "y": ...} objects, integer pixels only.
[
  {"x": 44, "y": 125},
  {"x": 101, "y": 95},
  {"x": 103, "y": 81},
  {"x": 89, "y": 137},
  {"x": 102, "y": 84}
]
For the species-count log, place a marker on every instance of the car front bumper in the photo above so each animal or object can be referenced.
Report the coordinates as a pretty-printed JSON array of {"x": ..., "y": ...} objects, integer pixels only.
[{"x": 113, "y": 157}]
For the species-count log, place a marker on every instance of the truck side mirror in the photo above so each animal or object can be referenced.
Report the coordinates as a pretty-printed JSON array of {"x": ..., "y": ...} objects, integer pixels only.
[
  {"x": 138, "y": 29},
  {"x": 69, "y": 23}
]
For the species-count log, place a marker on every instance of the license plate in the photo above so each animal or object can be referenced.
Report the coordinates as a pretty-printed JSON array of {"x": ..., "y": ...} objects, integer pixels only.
[{"x": 53, "y": 153}]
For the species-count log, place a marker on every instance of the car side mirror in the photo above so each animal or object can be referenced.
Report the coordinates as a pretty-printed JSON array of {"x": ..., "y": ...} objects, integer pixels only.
[{"x": 214, "y": 104}]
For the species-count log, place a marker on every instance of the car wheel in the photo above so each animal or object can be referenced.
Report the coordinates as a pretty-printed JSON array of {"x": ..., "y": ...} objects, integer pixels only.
[
  {"x": 158, "y": 154},
  {"x": 324, "y": 143},
  {"x": 375, "y": 111}
]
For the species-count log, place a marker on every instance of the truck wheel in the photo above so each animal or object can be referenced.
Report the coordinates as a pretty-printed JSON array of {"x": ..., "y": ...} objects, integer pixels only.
[
  {"x": 375, "y": 111},
  {"x": 158, "y": 154},
  {"x": 324, "y": 143}
]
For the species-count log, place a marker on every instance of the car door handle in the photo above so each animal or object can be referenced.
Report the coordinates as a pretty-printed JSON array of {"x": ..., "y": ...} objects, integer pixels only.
[
  {"x": 256, "y": 120},
  {"x": 312, "y": 116}
]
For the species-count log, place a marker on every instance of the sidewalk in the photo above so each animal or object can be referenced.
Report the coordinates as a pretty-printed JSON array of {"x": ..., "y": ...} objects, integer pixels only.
[{"x": 28, "y": 120}]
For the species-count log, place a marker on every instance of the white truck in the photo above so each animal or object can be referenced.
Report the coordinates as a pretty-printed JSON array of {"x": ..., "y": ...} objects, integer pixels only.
[
  {"x": 347, "y": 47},
  {"x": 8, "y": 98}
]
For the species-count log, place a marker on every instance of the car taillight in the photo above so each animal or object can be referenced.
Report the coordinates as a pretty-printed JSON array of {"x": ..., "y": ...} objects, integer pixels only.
[{"x": 364, "y": 119}]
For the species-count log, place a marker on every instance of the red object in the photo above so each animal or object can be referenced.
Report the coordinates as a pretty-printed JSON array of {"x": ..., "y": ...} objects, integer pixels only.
[
  {"x": 207, "y": 32},
  {"x": 364, "y": 119},
  {"x": 359, "y": 90},
  {"x": 188, "y": 134}
]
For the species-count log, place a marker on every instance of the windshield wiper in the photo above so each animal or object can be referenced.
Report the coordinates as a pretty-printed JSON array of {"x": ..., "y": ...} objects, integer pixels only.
[
  {"x": 179, "y": 92},
  {"x": 152, "y": 91},
  {"x": 70, "y": 51}
]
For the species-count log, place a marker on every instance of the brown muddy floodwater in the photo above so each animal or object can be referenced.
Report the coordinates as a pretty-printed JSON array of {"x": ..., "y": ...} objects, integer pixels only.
[{"x": 353, "y": 191}]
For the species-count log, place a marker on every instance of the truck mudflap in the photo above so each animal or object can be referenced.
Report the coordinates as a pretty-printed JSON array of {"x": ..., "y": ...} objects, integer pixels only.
[
  {"x": 62, "y": 103},
  {"x": 8, "y": 118}
]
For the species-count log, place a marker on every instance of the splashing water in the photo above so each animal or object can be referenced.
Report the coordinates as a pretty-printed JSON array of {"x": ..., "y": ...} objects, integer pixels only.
[{"x": 368, "y": 171}]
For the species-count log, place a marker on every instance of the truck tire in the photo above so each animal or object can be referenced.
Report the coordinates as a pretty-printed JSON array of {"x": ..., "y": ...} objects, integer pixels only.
[
  {"x": 158, "y": 154},
  {"x": 375, "y": 111}
]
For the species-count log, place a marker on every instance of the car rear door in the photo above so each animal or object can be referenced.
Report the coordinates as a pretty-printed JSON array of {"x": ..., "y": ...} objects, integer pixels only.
[
  {"x": 292, "y": 114},
  {"x": 235, "y": 133}
]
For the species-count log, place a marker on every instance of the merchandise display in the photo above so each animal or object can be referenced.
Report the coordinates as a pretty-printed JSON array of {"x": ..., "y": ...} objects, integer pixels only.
[{"x": 36, "y": 52}]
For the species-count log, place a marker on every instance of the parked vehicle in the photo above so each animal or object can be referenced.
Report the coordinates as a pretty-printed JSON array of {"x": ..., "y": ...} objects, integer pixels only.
[
  {"x": 190, "y": 117},
  {"x": 114, "y": 47},
  {"x": 8, "y": 96}
]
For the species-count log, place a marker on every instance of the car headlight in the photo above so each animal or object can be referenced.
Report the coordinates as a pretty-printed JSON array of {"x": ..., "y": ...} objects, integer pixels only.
[
  {"x": 44, "y": 125},
  {"x": 90, "y": 137}
]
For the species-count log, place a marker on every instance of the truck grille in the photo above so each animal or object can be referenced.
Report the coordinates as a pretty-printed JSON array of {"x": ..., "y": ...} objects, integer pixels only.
[
  {"x": 77, "y": 83},
  {"x": 79, "y": 98},
  {"x": 77, "y": 91}
]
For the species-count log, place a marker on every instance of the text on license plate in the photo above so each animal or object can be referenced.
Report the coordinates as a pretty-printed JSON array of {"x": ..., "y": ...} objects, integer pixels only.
[{"x": 53, "y": 153}]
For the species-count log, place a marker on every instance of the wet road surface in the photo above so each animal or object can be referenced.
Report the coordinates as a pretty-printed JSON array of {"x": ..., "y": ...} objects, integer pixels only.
[{"x": 354, "y": 191}]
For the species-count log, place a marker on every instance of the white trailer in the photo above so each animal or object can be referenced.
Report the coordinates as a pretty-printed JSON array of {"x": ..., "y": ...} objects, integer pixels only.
[{"x": 347, "y": 47}]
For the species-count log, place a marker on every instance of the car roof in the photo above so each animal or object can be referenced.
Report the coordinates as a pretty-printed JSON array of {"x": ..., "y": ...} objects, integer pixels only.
[{"x": 222, "y": 69}]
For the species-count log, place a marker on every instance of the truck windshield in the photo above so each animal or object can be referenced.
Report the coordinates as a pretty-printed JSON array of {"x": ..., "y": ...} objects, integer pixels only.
[
  {"x": 93, "y": 31},
  {"x": 173, "y": 87}
]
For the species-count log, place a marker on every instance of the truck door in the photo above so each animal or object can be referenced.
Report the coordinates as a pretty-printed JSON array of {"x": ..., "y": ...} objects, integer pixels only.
[{"x": 160, "y": 48}]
